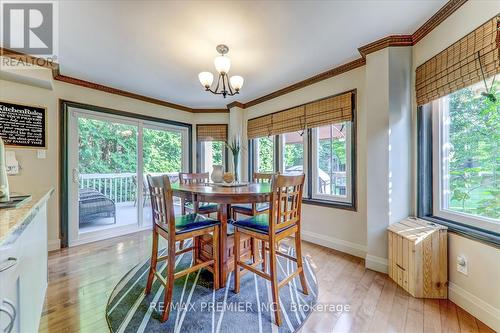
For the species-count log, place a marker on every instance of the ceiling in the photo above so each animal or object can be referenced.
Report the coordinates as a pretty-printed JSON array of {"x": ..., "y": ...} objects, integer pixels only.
[{"x": 157, "y": 48}]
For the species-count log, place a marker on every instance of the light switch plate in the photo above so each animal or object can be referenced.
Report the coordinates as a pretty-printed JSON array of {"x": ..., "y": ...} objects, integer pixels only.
[{"x": 41, "y": 154}]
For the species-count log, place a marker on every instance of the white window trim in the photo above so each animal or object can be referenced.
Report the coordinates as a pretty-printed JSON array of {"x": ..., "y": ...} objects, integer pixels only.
[
  {"x": 202, "y": 155},
  {"x": 440, "y": 109},
  {"x": 305, "y": 169},
  {"x": 256, "y": 155},
  {"x": 314, "y": 155}
]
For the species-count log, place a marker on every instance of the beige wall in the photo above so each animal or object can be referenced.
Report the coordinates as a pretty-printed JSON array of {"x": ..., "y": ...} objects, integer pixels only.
[{"x": 44, "y": 173}]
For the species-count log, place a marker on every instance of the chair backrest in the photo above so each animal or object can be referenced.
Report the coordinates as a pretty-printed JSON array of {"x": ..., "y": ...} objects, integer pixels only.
[
  {"x": 259, "y": 177},
  {"x": 193, "y": 178},
  {"x": 286, "y": 201},
  {"x": 162, "y": 204}
]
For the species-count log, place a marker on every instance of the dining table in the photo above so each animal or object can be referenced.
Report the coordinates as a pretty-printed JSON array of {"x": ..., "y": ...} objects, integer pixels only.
[{"x": 224, "y": 196}]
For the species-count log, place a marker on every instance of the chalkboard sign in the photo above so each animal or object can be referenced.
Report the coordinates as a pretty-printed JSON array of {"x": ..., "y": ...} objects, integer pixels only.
[{"x": 23, "y": 126}]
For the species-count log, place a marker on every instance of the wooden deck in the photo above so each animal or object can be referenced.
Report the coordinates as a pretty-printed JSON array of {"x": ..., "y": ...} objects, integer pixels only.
[{"x": 82, "y": 278}]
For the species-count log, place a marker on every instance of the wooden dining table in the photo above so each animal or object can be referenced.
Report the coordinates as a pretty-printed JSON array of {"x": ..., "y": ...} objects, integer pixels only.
[{"x": 224, "y": 196}]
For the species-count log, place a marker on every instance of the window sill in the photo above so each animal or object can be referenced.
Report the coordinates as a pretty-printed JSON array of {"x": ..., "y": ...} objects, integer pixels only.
[
  {"x": 330, "y": 204},
  {"x": 481, "y": 235}
]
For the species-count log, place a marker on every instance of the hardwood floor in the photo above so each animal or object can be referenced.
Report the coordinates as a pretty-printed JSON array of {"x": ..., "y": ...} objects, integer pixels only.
[{"x": 82, "y": 278}]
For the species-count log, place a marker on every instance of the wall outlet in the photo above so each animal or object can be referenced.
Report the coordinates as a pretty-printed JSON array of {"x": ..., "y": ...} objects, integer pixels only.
[
  {"x": 41, "y": 154},
  {"x": 462, "y": 265}
]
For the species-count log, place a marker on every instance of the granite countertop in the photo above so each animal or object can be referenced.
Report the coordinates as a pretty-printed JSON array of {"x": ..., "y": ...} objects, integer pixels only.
[{"x": 14, "y": 220}]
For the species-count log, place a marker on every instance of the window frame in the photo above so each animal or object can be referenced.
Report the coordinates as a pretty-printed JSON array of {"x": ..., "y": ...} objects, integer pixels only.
[
  {"x": 254, "y": 155},
  {"x": 305, "y": 164},
  {"x": 439, "y": 132},
  {"x": 200, "y": 156},
  {"x": 426, "y": 180},
  {"x": 314, "y": 174},
  {"x": 351, "y": 204}
]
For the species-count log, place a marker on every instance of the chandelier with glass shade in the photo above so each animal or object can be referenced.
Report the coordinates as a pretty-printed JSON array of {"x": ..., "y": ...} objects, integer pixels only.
[{"x": 224, "y": 86}]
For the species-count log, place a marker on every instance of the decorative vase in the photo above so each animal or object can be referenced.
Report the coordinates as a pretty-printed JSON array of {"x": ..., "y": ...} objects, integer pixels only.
[
  {"x": 236, "y": 161},
  {"x": 217, "y": 174},
  {"x": 4, "y": 181}
]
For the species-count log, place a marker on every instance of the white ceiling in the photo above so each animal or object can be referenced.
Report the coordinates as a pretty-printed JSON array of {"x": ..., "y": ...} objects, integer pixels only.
[{"x": 157, "y": 48}]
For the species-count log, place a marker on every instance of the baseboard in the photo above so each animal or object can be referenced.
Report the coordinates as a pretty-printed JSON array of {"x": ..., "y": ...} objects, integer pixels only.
[
  {"x": 480, "y": 309},
  {"x": 53, "y": 244},
  {"x": 354, "y": 249},
  {"x": 375, "y": 263}
]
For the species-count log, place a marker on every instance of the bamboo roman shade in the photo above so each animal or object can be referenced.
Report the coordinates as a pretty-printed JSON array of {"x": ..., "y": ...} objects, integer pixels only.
[
  {"x": 458, "y": 66},
  {"x": 211, "y": 132},
  {"x": 326, "y": 111}
]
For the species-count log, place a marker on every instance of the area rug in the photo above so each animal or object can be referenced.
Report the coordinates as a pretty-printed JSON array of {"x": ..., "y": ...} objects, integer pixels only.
[{"x": 197, "y": 308}]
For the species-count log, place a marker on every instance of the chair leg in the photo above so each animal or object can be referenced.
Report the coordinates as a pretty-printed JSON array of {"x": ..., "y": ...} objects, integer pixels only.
[
  {"x": 255, "y": 250},
  {"x": 215, "y": 246},
  {"x": 181, "y": 244},
  {"x": 264, "y": 256},
  {"x": 154, "y": 261},
  {"x": 167, "y": 300},
  {"x": 274, "y": 283},
  {"x": 236, "y": 259},
  {"x": 300, "y": 265}
]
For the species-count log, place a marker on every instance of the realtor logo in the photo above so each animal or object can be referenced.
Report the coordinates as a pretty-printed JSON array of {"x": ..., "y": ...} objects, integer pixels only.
[{"x": 28, "y": 27}]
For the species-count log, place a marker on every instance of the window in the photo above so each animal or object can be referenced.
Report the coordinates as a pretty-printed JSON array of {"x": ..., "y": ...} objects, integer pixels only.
[
  {"x": 331, "y": 162},
  {"x": 264, "y": 154},
  {"x": 317, "y": 139},
  {"x": 466, "y": 157},
  {"x": 292, "y": 149},
  {"x": 211, "y": 153}
]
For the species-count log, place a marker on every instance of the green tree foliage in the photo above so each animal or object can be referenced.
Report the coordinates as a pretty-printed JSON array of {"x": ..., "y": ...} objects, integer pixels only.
[
  {"x": 266, "y": 154},
  {"x": 106, "y": 147},
  {"x": 474, "y": 159},
  {"x": 217, "y": 151}
]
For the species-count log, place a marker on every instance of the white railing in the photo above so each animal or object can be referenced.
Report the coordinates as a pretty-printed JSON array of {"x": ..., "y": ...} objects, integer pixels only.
[{"x": 120, "y": 187}]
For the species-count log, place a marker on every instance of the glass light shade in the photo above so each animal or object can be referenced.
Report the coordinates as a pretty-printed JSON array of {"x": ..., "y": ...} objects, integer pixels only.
[
  {"x": 236, "y": 82},
  {"x": 222, "y": 64},
  {"x": 206, "y": 79}
]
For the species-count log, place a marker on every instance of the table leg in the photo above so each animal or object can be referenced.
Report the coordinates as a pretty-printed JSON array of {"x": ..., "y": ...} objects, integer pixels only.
[{"x": 222, "y": 216}]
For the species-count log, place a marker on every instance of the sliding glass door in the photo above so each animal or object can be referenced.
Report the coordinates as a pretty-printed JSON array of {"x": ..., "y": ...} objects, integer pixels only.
[{"x": 109, "y": 158}]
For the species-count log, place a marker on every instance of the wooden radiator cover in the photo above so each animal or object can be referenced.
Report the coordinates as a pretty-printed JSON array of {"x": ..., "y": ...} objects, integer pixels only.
[{"x": 418, "y": 257}]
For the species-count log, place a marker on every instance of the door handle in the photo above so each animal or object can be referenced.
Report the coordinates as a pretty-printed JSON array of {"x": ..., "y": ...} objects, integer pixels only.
[{"x": 10, "y": 262}]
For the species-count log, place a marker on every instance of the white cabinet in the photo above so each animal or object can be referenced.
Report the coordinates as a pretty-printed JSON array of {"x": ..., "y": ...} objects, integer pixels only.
[{"x": 23, "y": 277}]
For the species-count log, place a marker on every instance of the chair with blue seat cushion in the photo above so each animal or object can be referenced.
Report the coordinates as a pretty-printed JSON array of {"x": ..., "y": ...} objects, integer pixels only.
[
  {"x": 282, "y": 221},
  {"x": 253, "y": 209},
  {"x": 193, "y": 206},
  {"x": 174, "y": 229}
]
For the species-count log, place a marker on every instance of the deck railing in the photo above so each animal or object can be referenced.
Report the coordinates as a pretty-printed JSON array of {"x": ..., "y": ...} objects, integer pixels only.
[{"x": 119, "y": 187}]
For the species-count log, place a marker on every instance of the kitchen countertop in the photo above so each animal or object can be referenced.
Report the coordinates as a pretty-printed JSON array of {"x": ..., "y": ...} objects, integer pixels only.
[{"x": 14, "y": 220}]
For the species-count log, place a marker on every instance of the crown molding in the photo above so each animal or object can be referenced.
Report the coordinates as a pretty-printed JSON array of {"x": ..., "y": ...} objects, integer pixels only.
[
  {"x": 390, "y": 41},
  {"x": 236, "y": 104},
  {"x": 395, "y": 40},
  {"x": 307, "y": 82},
  {"x": 442, "y": 14}
]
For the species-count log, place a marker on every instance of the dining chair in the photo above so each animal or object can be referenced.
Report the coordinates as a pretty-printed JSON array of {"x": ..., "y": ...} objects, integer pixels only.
[
  {"x": 173, "y": 229},
  {"x": 253, "y": 209},
  {"x": 193, "y": 206},
  {"x": 282, "y": 221}
]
